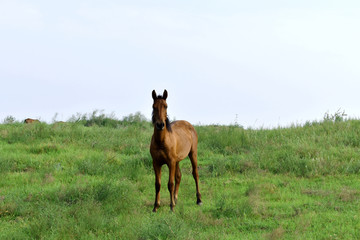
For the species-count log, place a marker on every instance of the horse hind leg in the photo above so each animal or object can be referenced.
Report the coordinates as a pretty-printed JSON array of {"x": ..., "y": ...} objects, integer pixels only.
[
  {"x": 177, "y": 181},
  {"x": 193, "y": 159}
]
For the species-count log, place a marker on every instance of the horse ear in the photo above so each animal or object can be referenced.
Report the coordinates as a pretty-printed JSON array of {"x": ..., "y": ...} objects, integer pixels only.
[
  {"x": 165, "y": 95},
  {"x": 154, "y": 94}
]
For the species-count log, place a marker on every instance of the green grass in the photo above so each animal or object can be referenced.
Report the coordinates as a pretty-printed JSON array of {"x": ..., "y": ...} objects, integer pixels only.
[{"x": 70, "y": 181}]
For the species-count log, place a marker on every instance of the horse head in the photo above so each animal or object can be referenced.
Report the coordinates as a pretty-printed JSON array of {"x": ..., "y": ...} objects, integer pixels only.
[{"x": 159, "y": 114}]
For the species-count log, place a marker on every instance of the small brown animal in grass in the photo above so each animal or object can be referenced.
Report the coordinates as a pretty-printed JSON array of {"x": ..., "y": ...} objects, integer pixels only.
[
  {"x": 171, "y": 143},
  {"x": 30, "y": 120}
]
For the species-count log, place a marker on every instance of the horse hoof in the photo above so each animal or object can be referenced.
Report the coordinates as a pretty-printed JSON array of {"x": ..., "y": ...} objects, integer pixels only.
[{"x": 199, "y": 203}]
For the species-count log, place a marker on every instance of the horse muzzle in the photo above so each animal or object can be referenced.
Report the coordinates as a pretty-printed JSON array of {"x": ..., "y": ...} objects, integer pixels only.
[{"x": 160, "y": 126}]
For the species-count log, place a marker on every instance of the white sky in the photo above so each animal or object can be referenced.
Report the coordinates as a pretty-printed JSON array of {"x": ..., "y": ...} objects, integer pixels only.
[{"x": 266, "y": 63}]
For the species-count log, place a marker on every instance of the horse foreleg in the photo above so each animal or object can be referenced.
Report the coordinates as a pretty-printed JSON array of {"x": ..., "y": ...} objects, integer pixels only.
[
  {"x": 177, "y": 181},
  {"x": 172, "y": 169},
  {"x": 157, "y": 170}
]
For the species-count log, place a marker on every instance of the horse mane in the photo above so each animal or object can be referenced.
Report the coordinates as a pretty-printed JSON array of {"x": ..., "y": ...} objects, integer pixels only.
[
  {"x": 168, "y": 124},
  {"x": 160, "y": 97}
]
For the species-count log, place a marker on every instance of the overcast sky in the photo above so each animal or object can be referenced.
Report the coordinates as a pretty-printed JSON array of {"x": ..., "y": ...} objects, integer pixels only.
[{"x": 261, "y": 63}]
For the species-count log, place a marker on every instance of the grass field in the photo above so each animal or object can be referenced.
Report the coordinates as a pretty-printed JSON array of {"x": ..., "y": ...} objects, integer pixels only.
[{"x": 92, "y": 178}]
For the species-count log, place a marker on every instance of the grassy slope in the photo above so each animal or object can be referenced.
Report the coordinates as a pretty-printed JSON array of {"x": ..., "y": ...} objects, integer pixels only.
[{"x": 68, "y": 181}]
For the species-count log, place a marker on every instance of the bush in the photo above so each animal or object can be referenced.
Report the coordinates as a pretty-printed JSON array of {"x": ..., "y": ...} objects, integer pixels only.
[
  {"x": 100, "y": 119},
  {"x": 9, "y": 120}
]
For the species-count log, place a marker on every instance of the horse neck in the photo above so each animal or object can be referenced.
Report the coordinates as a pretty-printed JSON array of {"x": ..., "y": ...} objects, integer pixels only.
[{"x": 160, "y": 136}]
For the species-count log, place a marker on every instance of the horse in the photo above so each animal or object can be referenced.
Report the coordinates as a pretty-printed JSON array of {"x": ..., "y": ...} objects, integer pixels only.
[
  {"x": 30, "y": 120},
  {"x": 171, "y": 143}
]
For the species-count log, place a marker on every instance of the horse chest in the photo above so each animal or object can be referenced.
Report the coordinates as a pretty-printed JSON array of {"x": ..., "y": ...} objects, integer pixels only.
[{"x": 162, "y": 153}]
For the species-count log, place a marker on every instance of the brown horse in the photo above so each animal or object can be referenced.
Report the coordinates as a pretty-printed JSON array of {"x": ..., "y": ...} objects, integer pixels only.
[
  {"x": 171, "y": 143},
  {"x": 30, "y": 120}
]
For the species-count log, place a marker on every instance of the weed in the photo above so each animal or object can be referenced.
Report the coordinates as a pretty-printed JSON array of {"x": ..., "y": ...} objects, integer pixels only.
[{"x": 338, "y": 116}]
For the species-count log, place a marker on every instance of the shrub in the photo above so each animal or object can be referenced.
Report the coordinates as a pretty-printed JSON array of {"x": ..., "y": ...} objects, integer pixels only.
[
  {"x": 9, "y": 120},
  {"x": 100, "y": 119}
]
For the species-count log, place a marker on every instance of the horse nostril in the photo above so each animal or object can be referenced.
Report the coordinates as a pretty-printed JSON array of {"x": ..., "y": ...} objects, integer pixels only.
[{"x": 160, "y": 126}]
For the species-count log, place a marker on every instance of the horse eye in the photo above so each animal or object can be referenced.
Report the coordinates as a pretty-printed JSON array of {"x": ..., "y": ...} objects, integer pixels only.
[{"x": 165, "y": 107}]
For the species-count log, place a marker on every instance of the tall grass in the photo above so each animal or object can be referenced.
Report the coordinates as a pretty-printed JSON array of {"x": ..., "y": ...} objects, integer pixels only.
[
  {"x": 318, "y": 148},
  {"x": 92, "y": 178}
]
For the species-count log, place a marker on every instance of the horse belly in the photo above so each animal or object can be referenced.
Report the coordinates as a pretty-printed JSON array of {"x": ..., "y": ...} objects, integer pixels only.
[
  {"x": 184, "y": 143},
  {"x": 183, "y": 153}
]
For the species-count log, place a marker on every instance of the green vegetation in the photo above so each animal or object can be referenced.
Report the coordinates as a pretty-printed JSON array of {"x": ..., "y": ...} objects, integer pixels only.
[{"x": 92, "y": 178}]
